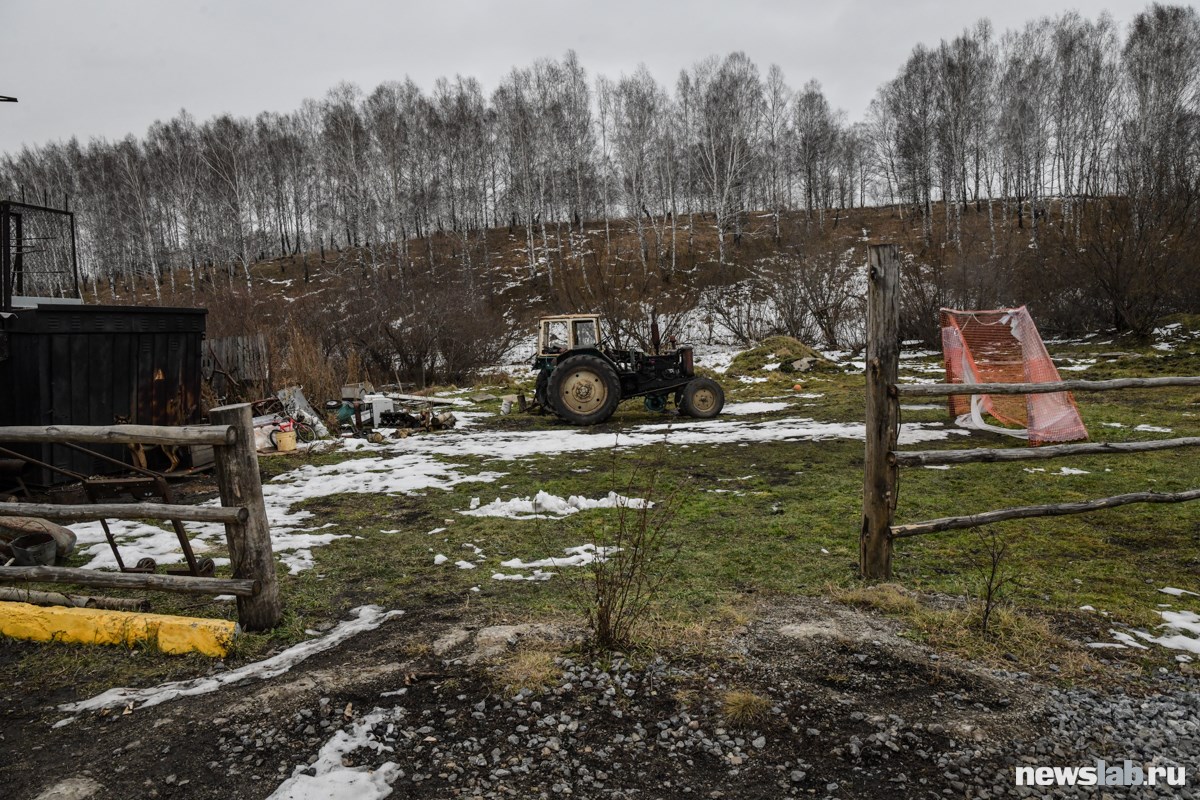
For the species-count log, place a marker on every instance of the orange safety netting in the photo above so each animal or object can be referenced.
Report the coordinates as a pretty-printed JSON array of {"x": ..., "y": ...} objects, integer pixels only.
[{"x": 1004, "y": 346}]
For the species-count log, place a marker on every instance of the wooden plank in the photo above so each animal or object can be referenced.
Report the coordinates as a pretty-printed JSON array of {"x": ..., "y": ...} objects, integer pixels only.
[
  {"x": 74, "y": 600},
  {"x": 121, "y": 434},
  {"x": 1052, "y": 510},
  {"x": 883, "y": 411},
  {"x": 129, "y": 580},
  {"x": 916, "y": 458},
  {"x": 94, "y": 511},
  {"x": 942, "y": 389},
  {"x": 238, "y": 478}
]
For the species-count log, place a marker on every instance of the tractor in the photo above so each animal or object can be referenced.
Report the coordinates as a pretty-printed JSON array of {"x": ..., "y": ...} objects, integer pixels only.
[{"x": 582, "y": 379}]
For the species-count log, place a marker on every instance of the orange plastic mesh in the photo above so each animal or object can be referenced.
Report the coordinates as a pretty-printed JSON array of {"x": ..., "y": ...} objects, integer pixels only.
[{"x": 1004, "y": 346}]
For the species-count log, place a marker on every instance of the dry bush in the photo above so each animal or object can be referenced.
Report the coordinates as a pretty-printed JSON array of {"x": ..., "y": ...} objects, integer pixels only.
[
  {"x": 305, "y": 363},
  {"x": 634, "y": 559}
]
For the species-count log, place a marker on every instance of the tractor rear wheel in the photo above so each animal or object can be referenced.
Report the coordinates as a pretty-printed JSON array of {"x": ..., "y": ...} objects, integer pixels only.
[
  {"x": 584, "y": 390},
  {"x": 702, "y": 398}
]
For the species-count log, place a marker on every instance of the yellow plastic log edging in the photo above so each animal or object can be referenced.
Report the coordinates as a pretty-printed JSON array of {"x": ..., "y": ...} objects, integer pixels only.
[{"x": 210, "y": 637}]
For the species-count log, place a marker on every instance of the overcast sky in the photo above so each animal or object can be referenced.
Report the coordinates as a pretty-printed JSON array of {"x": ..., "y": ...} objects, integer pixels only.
[{"x": 110, "y": 68}]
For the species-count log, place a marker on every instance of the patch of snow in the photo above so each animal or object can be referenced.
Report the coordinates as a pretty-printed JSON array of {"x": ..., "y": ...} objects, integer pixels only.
[
  {"x": 575, "y": 557},
  {"x": 440, "y": 559},
  {"x": 331, "y": 779},
  {"x": 1171, "y": 590},
  {"x": 937, "y": 466},
  {"x": 537, "y": 575},
  {"x": 545, "y": 504},
  {"x": 1152, "y": 429},
  {"x": 1071, "y": 471},
  {"x": 751, "y": 379},
  {"x": 741, "y": 409},
  {"x": 366, "y": 618}
]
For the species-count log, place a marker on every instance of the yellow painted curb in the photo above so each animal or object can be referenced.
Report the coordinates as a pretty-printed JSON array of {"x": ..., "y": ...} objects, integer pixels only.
[{"x": 210, "y": 637}]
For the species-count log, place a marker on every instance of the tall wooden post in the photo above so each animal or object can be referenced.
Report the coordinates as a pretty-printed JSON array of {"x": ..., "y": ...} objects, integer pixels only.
[
  {"x": 883, "y": 410},
  {"x": 236, "y": 469}
]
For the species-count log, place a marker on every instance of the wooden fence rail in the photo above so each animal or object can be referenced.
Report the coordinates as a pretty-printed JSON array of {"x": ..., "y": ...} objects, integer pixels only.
[
  {"x": 1051, "y": 510},
  {"x": 215, "y": 435},
  {"x": 241, "y": 587},
  {"x": 880, "y": 479},
  {"x": 94, "y": 511},
  {"x": 987, "y": 455},
  {"x": 943, "y": 389},
  {"x": 242, "y": 511}
]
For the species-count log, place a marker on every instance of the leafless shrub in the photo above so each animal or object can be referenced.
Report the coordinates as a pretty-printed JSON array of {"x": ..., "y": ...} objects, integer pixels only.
[{"x": 634, "y": 558}]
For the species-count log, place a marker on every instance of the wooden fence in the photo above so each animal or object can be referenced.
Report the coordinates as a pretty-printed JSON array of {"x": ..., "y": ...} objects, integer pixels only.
[
  {"x": 883, "y": 460},
  {"x": 242, "y": 510},
  {"x": 236, "y": 366}
]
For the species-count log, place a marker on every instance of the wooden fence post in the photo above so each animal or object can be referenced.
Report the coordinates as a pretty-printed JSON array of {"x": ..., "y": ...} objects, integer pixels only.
[
  {"x": 883, "y": 410},
  {"x": 236, "y": 468}
]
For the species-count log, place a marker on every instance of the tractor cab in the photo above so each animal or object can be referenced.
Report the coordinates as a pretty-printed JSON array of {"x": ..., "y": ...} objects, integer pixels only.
[{"x": 557, "y": 335}]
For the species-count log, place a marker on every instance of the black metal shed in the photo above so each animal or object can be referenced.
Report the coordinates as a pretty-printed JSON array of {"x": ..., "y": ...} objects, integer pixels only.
[{"x": 98, "y": 365}]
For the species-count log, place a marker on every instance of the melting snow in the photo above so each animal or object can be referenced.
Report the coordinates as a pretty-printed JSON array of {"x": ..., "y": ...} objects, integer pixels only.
[
  {"x": 332, "y": 780},
  {"x": 739, "y": 409},
  {"x": 1152, "y": 429},
  {"x": 545, "y": 504},
  {"x": 366, "y": 618},
  {"x": 576, "y": 557}
]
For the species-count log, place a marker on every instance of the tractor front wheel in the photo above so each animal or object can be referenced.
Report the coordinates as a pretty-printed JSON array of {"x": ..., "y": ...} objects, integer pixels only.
[
  {"x": 702, "y": 398},
  {"x": 584, "y": 390}
]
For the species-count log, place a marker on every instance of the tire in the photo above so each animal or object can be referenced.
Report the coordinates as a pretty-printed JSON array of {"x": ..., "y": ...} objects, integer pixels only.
[
  {"x": 584, "y": 390},
  {"x": 703, "y": 398},
  {"x": 305, "y": 432},
  {"x": 655, "y": 403}
]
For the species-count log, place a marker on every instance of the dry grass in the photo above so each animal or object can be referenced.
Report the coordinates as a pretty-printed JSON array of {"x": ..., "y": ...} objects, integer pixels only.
[
  {"x": 1014, "y": 639},
  {"x": 532, "y": 669},
  {"x": 691, "y": 638},
  {"x": 741, "y": 707},
  {"x": 889, "y": 598}
]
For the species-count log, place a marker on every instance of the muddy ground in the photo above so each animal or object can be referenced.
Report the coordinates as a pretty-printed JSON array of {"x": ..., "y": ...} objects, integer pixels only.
[{"x": 840, "y": 706}]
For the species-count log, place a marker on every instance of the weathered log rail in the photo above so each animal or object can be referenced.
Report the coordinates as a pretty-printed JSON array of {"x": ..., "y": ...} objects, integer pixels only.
[
  {"x": 1049, "y": 387},
  {"x": 95, "y": 511},
  {"x": 880, "y": 480},
  {"x": 241, "y": 587},
  {"x": 988, "y": 455},
  {"x": 215, "y": 435},
  {"x": 242, "y": 511}
]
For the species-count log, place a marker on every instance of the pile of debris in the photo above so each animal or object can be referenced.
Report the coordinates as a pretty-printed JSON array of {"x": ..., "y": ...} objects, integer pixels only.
[{"x": 363, "y": 407}]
